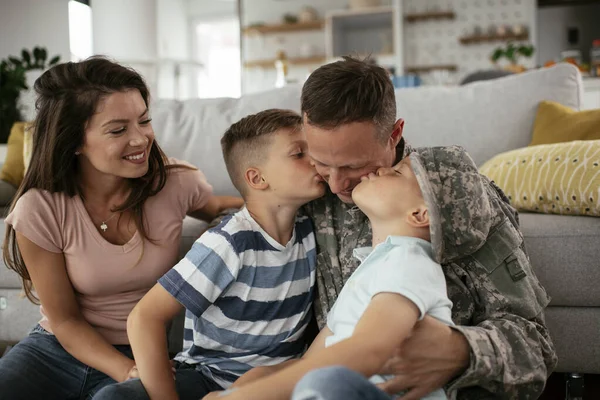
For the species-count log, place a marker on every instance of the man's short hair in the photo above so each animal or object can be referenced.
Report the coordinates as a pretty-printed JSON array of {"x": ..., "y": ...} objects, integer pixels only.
[
  {"x": 350, "y": 90},
  {"x": 247, "y": 141}
]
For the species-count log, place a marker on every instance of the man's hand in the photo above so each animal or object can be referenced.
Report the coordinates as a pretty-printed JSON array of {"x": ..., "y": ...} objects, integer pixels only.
[{"x": 432, "y": 356}]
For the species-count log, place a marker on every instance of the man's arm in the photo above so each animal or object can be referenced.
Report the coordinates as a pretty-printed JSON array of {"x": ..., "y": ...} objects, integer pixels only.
[
  {"x": 146, "y": 328},
  {"x": 506, "y": 354},
  {"x": 387, "y": 321},
  {"x": 510, "y": 356}
]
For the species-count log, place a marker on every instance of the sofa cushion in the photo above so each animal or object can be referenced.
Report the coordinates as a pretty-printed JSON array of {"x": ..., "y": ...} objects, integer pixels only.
[
  {"x": 17, "y": 315},
  {"x": 489, "y": 117},
  {"x": 560, "y": 178},
  {"x": 556, "y": 123},
  {"x": 575, "y": 333},
  {"x": 191, "y": 130},
  {"x": 13, "y": 168},
  {"x": 564, "y": 252}
]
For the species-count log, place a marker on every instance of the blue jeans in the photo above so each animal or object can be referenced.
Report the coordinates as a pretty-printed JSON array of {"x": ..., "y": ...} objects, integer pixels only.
[
  {"x": 191, "y": 384},
  {"x": 340, "y": 383},
  {"x": 337, "y": 383},
  {"x": 38, "y": 367}
]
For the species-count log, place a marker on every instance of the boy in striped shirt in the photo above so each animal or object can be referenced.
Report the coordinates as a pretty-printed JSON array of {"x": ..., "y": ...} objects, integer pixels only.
[{"x": 247, "y": 284}]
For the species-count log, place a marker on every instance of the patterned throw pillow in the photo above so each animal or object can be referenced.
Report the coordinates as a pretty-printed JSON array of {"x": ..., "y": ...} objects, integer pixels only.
[{"x": 561, "y": 178}]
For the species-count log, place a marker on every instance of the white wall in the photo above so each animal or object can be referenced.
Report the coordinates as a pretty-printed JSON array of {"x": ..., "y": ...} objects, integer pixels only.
[
  {"x": 173, "y": 39},
  {"x": 210, "y": 9},
  {"x": 126, "y": 30},
  {"x": 30, "y": 23},
  {"x": 172, "y": 29},
  {"x": 553, "y": 23}
]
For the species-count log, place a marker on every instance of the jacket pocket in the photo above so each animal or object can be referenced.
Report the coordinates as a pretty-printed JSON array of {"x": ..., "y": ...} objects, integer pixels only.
[{"x": 510, "y": 276}]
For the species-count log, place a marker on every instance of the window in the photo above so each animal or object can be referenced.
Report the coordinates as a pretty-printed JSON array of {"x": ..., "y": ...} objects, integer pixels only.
[
  {"x": 80, "y": 30},
  {"x": 217, "y": 48}
]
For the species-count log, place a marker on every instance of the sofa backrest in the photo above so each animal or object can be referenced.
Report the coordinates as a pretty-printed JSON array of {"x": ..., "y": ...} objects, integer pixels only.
[{"x": 486, "y": 118}]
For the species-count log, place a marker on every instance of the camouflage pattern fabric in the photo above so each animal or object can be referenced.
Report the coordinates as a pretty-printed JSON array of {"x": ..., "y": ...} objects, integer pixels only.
[{"x": 498, "y": 301}]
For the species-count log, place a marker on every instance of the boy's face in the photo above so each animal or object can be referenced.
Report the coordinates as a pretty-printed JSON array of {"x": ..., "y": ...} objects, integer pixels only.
[
  {"x": 389, "y": 193},
  {"x": 288, "y": 170}
]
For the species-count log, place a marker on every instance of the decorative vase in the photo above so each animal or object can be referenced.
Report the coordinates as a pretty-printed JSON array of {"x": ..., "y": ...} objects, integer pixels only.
[
  {"x": 27, "y": 97},
  {"x": 307, "y": 14}
]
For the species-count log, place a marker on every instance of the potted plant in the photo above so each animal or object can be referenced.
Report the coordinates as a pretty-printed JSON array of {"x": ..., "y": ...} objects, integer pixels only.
[
  {"x": 13, "y": 84},
  {"x": 512, "y": 53}
]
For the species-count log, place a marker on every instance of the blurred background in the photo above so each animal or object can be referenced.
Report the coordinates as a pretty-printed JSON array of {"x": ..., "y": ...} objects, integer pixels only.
[{"x": 227, "y": 48}]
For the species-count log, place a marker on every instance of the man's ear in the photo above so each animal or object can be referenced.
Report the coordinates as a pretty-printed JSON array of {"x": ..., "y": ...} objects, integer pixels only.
[
  {"x": 418, "y": 217},
  {"x": 255, "y": 179},
  {"x": 397, "y": 133}
]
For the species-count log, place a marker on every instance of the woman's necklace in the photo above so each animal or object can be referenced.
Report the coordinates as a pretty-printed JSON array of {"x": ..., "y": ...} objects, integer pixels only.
[{"x": 103, "y": 225}]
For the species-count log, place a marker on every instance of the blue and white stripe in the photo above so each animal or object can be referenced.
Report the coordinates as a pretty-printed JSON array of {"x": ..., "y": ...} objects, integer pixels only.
[{"x": 248, "y": 298}]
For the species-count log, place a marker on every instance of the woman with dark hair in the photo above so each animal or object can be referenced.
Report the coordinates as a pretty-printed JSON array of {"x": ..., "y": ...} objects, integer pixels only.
[{"x": 96, "y": 221}]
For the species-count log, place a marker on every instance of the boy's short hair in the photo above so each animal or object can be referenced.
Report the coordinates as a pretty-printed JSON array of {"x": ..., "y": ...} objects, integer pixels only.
[
  {"x": 247, "y": 141},
  {"x": 350, "y": 90}
]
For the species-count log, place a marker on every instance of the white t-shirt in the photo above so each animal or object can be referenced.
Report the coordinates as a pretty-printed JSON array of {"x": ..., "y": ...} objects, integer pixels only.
[{"x": 402, "y": 265}]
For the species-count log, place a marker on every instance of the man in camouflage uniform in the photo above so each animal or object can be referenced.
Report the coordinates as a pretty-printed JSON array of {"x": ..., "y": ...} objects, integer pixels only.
[{"x": 500, "y": 347}]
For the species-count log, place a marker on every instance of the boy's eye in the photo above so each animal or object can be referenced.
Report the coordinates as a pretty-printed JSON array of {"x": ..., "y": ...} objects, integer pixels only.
[
  {"x": 146, "y": 122},
  {"x": 299, "y": 154}
]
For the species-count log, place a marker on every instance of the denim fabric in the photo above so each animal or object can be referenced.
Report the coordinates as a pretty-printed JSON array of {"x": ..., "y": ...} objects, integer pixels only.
[
  {"x": 38, "y": 367},
  {"x": 191, "y": 385},
  {"x": 337, "y": 383}
]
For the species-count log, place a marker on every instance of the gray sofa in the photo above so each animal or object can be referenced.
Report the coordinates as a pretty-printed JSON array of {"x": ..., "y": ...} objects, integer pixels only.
[{"x": 487, "y": 118}]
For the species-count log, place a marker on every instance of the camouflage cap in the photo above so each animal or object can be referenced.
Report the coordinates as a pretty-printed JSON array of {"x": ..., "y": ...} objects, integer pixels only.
[{"x": 457, "y": 200}]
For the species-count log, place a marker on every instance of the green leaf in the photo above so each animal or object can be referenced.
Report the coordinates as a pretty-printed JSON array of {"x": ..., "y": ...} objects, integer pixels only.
[
  {"x": 497, "y": 54},
  {"x": 53, "y": 61},
  {"x": 26, "y": 57},
  {"x": 44, "y": 55},
  {"x": 15, "y": 61}
]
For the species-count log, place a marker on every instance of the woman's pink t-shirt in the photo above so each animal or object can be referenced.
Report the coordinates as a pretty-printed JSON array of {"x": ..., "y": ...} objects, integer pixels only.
[{"x": 110, "y": 279}]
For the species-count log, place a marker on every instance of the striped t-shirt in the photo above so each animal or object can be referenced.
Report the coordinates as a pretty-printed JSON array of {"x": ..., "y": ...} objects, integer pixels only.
[{"x": 248, "y": 299}]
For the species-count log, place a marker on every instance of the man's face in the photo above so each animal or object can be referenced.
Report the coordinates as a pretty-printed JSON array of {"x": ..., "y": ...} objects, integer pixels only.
[{"x": 344, "y": 154}]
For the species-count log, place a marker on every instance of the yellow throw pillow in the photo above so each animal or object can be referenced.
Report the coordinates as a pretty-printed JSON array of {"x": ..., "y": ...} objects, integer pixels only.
[
  {"x": 13, "y": 168},
  {"x": 555, "y": 123},
  {"x": 561, "y": 178}
]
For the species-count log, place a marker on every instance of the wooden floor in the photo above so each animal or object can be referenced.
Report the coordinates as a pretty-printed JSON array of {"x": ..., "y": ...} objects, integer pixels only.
[{"x": 555, "y": 387}]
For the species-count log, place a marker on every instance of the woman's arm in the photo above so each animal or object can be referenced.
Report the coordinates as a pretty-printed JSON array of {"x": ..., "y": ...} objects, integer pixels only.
[
  {"x": 55, "y": 291},
  {"x": 146, "y": 328},
  {"x": 215, "y": 205},
  {"x": 388, "y": 320}
]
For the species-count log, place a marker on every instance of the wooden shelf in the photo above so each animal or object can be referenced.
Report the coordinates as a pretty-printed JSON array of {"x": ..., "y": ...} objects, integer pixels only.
[
  {"x": 430, "y": 15},
  {"x": 428, "y": 68},
  {"x": 493, "y": 38},
  {"x": 291, "y": 61},
  {"x": 281, "y": 28}
]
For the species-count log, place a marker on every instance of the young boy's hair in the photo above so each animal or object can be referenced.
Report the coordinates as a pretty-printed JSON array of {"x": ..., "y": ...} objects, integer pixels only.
[
  {"x": 247, "y": 141},
  {"x": 347, "y": 91}
]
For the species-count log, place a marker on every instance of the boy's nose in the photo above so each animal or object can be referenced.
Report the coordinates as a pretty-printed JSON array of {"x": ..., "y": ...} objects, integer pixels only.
[{"x": 385, "y": 171}]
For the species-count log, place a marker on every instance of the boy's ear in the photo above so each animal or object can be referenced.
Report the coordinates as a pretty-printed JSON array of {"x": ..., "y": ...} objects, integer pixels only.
[
  {"x": 418, "y": 217},
  {"x": 255, "y": 179}
]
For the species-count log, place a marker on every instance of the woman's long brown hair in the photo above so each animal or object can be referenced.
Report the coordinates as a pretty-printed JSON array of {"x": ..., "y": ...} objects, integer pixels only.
[{"x": 67, "y": 96}]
